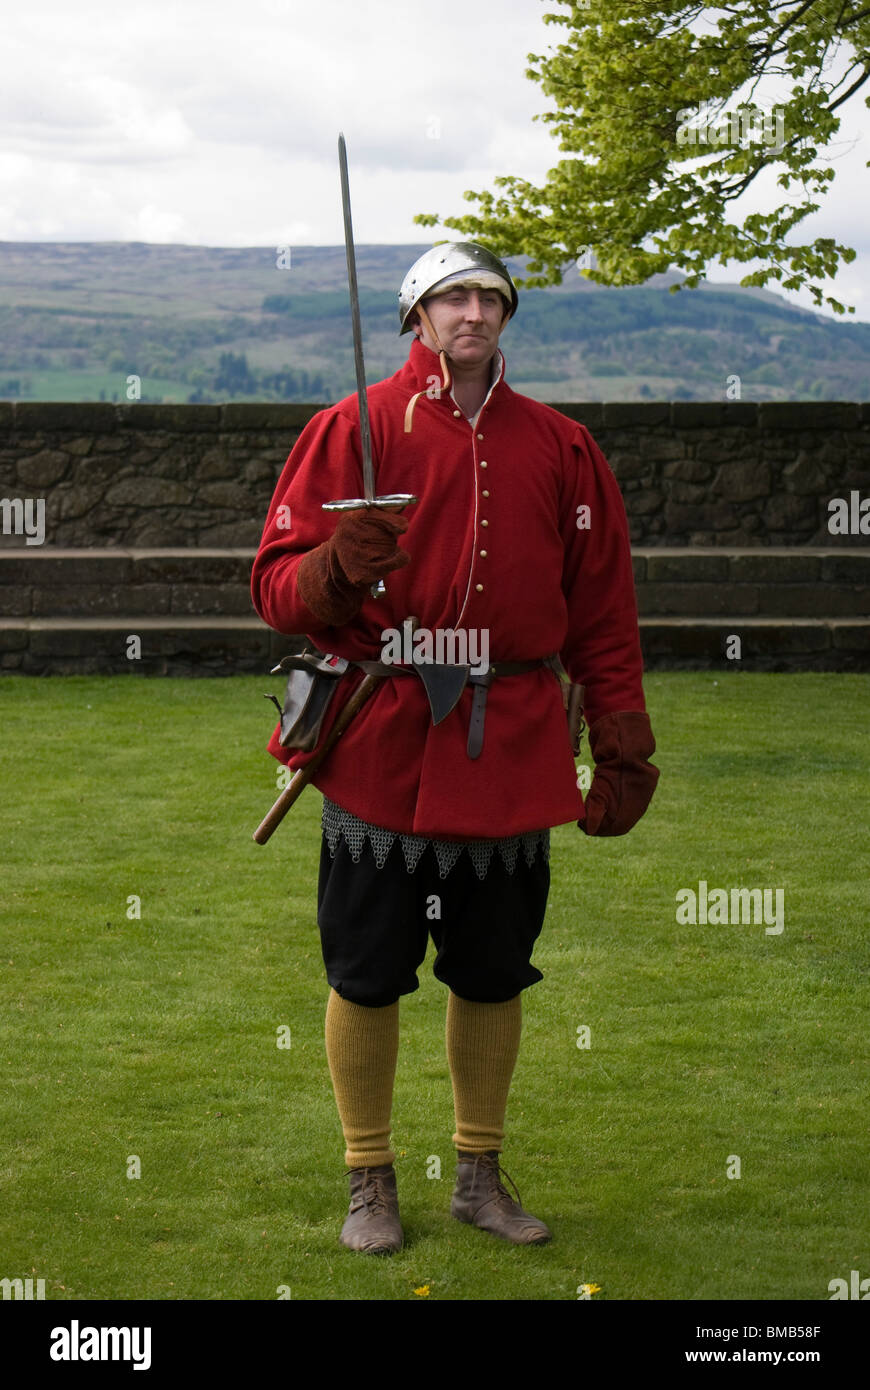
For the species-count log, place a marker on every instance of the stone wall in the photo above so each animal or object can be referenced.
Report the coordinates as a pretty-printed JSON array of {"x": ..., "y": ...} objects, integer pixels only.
[
  {"x": 730, "y": 474},
  {"x": 76, "y": 611}
]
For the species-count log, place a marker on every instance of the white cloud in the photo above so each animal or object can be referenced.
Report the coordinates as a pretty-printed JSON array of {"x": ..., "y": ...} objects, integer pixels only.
[
  {"x": 157, "y": 224},
  {"x": 214, "y": 123}
]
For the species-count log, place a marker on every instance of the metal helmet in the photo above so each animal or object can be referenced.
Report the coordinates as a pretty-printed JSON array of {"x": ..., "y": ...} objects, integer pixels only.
[{"x": 456, "y": 262}]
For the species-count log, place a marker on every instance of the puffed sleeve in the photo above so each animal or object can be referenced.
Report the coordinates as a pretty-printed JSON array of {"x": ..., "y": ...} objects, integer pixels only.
[
  {"x": 324, "y": 465},
  {"x": 602, "y": 646}
]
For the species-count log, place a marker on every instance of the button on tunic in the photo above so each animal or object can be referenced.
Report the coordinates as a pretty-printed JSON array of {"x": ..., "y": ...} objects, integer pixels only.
[{"x": 531, "y": 572}]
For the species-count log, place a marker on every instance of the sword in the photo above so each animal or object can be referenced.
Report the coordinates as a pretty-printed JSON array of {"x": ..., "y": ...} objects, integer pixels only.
[{"x": 392, "y": 501}]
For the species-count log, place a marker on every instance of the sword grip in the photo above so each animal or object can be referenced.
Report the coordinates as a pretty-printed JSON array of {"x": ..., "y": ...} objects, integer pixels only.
[{"x": 393, "y": 502}]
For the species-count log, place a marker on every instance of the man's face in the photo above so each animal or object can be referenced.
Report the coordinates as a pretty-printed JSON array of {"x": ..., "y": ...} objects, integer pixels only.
[{"x": 468, "y": 323}]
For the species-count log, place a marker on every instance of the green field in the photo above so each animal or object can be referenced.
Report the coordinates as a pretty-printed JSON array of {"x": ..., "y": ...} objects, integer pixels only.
[
  {"x": 156, "y": 1038},
  {"x": 45, "y": 384}
]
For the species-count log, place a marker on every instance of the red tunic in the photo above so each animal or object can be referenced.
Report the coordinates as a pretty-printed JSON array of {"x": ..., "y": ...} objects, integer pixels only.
[{"x": 512, "y": 486}]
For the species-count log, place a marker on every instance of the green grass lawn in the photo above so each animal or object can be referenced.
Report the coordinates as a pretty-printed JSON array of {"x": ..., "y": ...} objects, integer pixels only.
[{"x": 157, "y": 1037}]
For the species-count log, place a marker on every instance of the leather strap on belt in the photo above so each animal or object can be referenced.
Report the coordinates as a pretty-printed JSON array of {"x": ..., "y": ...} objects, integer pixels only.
[{"x": 481, "y": 683}]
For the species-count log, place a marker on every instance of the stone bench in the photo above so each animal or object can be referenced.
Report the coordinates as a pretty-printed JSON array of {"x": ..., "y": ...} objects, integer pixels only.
[{"x": 65, "y": 611}]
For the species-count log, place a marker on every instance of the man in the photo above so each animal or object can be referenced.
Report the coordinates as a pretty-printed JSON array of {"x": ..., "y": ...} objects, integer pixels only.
[{"x": 439, "y": 822}]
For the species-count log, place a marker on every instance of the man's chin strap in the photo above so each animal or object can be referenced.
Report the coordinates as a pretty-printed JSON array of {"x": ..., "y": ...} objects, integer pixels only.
[{"x": 446, "y": 378}]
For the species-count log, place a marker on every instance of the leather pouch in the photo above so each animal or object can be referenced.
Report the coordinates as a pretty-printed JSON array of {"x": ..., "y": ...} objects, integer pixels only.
[{"x": 312, "y": 680}]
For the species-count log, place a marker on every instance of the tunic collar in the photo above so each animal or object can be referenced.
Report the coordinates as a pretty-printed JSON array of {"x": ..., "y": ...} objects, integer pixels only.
[
  {"x": 495, "y": 376},
  {"x": 423, "y": 364}
]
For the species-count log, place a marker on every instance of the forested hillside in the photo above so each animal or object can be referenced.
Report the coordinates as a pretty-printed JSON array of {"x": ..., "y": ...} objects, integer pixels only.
[{"x": 79, "y": 320}]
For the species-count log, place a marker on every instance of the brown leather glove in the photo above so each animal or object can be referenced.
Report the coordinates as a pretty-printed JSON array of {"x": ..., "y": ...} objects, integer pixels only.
[
  {"x": 335, "y": 577},
  {"x": 624, "y": 781}
]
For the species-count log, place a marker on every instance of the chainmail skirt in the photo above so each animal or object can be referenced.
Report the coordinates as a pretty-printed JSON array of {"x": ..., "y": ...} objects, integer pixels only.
[{"x": 340, "y": 824}]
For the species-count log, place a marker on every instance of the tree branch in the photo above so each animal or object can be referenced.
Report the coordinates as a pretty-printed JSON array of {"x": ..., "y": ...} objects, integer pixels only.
[
  {"x": 855, "y": 87},
  {"x": 788, "y": 24}
]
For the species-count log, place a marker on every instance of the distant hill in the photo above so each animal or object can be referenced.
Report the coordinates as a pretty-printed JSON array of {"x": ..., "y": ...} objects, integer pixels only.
[{"x": 212, "y": 324}]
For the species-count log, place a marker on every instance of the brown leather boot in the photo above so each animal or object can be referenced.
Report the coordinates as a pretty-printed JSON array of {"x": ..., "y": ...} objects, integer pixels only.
[
  {"x": 480, "y": 1199},
  {"x": 372, "y": 1223}
]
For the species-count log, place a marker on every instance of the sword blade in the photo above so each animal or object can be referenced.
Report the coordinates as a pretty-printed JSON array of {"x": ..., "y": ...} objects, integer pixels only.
[{"x": 364, "y": 427}]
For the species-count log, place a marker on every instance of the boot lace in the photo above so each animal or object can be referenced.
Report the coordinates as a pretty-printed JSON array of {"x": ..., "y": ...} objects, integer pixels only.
[
  {"x": 373, "y": 1194},
  {"x": 493, "y": 1168}
]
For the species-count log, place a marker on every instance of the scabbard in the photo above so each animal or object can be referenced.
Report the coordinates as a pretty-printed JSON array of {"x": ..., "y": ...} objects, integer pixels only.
[
  {"x": 574, "y": 696},
  {"x": 304, "y": 775}
]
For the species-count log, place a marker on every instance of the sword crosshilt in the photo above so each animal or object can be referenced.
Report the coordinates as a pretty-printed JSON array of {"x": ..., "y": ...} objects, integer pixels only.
[{"x": 392, "y": 501}]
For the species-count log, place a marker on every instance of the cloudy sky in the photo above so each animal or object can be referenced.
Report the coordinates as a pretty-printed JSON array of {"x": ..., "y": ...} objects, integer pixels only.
[{"x": 215, "y": 123}]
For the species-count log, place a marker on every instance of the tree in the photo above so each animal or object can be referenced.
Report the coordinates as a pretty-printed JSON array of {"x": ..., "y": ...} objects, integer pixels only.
[
  {"x": 234, "y": 375},
  {"x": 641, "y": 91}
]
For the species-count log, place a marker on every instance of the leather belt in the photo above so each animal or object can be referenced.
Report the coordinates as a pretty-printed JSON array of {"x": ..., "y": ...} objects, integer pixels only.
[{"x": 481, "y": 682}]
